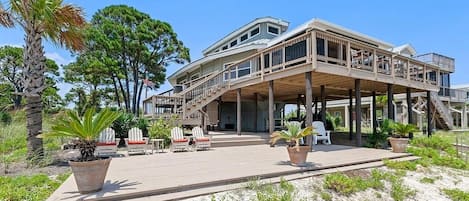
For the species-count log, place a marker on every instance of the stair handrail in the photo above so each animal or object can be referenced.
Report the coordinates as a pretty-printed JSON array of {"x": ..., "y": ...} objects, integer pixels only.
[{"x": 441, "y": 109}]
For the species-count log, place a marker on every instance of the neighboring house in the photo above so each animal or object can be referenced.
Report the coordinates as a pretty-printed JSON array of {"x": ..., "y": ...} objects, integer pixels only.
[{"x": 244, "y": 80}]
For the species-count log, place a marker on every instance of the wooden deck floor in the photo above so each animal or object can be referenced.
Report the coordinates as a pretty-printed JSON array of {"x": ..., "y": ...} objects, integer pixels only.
[{"x": 144, "y": 175}]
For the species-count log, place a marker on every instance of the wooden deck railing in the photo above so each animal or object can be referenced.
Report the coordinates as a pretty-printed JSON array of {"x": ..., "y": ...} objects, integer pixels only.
[{"x": 314, "y": 47}]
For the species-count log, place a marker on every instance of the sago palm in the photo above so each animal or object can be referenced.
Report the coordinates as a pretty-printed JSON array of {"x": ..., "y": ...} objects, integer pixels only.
[
  {"x": 402, "y": 130},
  {"x": 55, "y": 21},
  {"x": 86, "y": 129},
  {"x": 292, "y": 135}
]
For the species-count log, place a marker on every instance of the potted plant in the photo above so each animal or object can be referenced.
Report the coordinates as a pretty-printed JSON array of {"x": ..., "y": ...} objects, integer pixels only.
[
  {"x": 400, "y": 136},
  {"x": 89, "y": 171},
  {"x": 297, "y": 150}
]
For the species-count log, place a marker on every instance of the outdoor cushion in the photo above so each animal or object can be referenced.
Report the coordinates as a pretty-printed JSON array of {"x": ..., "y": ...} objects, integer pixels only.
[
  {"x": 202, "y": 139},
  {"x": 105, "y": 143},
  {"x": 180, "y": 140},
  {"x": 137, "y": 142}
]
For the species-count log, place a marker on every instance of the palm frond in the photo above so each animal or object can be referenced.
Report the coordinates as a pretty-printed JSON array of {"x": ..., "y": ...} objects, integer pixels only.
[{"x": 6, "y": 19}]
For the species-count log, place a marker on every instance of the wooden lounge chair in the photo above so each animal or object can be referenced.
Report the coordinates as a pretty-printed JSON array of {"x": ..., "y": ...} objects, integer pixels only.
[
  {"x": 321, "y": 133},
  {"x": 136, "y": 143},
  {"x": 201, "y": 141},
  {"x": 106, "y": 143},
  {"x": 178, "y": 142}
]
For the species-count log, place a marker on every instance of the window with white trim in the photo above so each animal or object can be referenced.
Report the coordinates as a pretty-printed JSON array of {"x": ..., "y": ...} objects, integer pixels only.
[
  {"x": 233, "y": 43},
  {"x": 243, "y": 37},
  {"x": 272, "y": 29},
  {"x": 238, "y": 71},
  {"x": 254, "y": 32}
]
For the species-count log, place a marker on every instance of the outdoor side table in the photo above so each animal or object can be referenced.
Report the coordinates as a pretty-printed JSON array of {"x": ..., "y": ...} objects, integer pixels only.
[{"x": 158, "y": 145}]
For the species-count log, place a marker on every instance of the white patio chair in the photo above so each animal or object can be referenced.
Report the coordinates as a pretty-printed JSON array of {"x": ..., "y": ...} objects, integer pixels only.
[
  {"x": 178, "y": 142},
  {"x": 201, "y": 142},
  {"x": 106, "y": 144},
  {"x": 136, "y": 143},
  {"x": 321, "y": 133}
]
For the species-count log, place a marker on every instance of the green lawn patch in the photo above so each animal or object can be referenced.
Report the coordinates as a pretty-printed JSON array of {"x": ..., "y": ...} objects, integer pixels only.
[{"x": 456, "y": 194}]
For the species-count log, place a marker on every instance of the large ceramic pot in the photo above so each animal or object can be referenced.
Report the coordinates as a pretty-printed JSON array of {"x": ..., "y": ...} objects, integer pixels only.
[
  {"x": 90, "y": 175},
  {"x": 298, "y": 157},
  {"x": 399, "y": 145}
]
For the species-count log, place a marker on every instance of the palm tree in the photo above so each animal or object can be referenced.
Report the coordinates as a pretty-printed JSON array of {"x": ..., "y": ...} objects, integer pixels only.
[
  {"x": 41, "y": 19},
  {"x": 292, "y": 135}
]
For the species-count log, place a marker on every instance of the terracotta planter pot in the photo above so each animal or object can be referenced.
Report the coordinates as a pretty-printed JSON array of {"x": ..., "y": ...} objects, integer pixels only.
[
  {"x": 90, "y": 175},
  {"x": 399, "y": 145},
  {"x": 298, "y": 158}
]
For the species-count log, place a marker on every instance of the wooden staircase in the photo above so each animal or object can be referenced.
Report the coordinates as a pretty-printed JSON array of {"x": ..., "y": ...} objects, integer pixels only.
[{"x": 442, "y": 114}]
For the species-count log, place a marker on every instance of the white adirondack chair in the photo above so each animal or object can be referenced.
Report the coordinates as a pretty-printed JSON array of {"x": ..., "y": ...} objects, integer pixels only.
[
  {"x": 201, "y": 141},
  {"x": 136, "y": 143},
  {"x": 178, "y": 142},
  {"x": 106, "y": 143},
  {"x": 321, "y": 133}
]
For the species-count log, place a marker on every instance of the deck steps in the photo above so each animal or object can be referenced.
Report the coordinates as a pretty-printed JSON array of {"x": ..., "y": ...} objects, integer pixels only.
[
  {"x": 243, "y": 140},
  {"x": 207, "y": 189}
]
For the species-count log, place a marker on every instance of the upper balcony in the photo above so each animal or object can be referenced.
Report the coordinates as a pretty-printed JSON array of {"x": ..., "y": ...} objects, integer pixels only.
[
  {"x": 332, "y": 54},
  {"x": 445, "y": 63}
]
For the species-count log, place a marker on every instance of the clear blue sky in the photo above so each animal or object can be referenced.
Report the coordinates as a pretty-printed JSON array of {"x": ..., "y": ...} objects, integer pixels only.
[{"x": 441, "y": 27}]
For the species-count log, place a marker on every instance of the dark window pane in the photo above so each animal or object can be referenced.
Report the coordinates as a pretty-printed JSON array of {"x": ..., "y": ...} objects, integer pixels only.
[
  {"x": 266, "y": 60},
  {"x": 233, "y": 43},
  {"x": 273, "y": 30},
  {"x": 295, "y": 51},
  {"x": 320, "y": 46},
  {"x": 244, "y": 72},
  {"x": 332, "y": 49},
  {"x": 244, "y": 37},
  {"x": 254, "y": 31},
  {"x": 277, "y": 57},
  {"x": 224, "y": 47}
]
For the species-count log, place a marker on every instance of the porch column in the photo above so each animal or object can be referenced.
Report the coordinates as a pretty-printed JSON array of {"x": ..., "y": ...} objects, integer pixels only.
[
  {"x": 153, "y": 107},
  {"x": 390, "y": 105},
  {"x": 309, "y": 104},
  {"x": 256, "y": 105},
  {"x": 464, "y": 115},
  {"x": 298, "y": 105},
  {"x": 350, "y": 113},
  {"x": 346, "y": 116},
  {"x": 358, "y": 113},
  {"x": 238, "y": 111},
  {"x": 409, "y": 109},
  {"x": 323, "y": 104},
  {"x": 316, "y": 106},
  {"x": 374, "y": 122},
  {"x": 204, "y": 120},
  {"x": 429, "y": 115},
  {"x": 271, "y": 107}
]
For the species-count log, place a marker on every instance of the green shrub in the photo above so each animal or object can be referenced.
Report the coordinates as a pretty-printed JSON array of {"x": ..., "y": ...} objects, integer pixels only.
[
  {"x": 437, "y": 151},
  {"x": 161, "y": 129},
  {"x": 123, "y": 124},
  {"x": 143, "y": 124},
  {"x": 456, "y": 194},
  {"x": 5, "y": 118},
  {"x": 399, "y": 191},
  {"x": 401, "y": 165},
  {"x": 36, "y": 187},
  {"x": 326, "y": 196},
  {"x": 285, "y": 191},
  {"x": 427, "y": 180},
  {"x": 345, "y": 185}
]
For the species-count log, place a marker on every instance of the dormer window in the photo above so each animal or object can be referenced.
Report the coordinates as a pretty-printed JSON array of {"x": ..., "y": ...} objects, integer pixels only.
[
  {"x": 233, "y": 43},
  {"x": 273, "y": 29},
  {"x": 254, "y": 31},
  {"x": 243, "y": 37}
]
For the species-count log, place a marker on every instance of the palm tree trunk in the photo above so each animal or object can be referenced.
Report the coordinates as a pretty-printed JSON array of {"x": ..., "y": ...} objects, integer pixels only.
[{"x": 34, "y": 68}]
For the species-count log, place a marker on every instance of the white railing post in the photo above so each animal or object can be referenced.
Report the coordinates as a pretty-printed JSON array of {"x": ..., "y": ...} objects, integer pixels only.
[
  {"x": 314, "y": 49},
  {"x": 375, "y": 63},
  {"x": 408, "y": 69},
  {"x": 349, "y": 57},
  {"x": 262, "y": 66},
  {"x": 283, "y": 55},
  {"x": 392, "y": 67},
  {"x": 425, "y": 74}
]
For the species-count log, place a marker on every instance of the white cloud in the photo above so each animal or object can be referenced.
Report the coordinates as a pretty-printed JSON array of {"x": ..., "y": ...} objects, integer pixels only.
[{"x": 57, "y": 58}]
